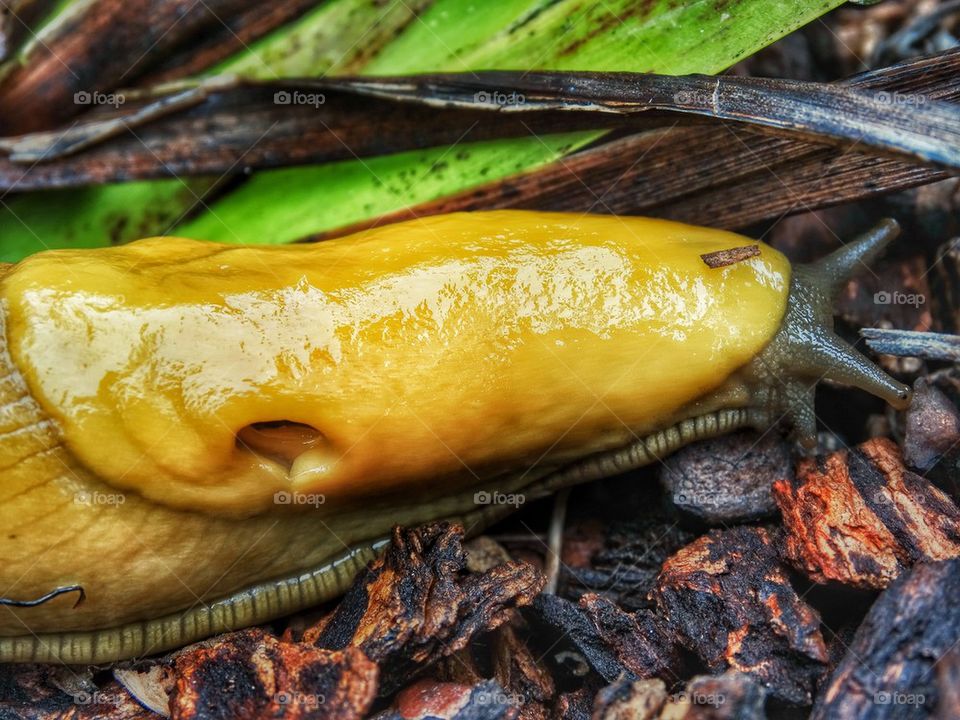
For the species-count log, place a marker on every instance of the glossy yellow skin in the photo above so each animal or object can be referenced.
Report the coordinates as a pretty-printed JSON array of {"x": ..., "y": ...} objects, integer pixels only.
[{"x": 430, "y": 355}]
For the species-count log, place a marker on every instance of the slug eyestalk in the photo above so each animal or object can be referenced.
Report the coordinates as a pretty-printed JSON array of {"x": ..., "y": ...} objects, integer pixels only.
[
  {"x": 203, "y": 437},
  {"x": 806, "y": 350}
]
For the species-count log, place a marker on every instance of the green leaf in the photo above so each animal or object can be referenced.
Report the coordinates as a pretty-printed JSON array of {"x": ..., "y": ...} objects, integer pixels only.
[
  {"x": 94, "y": 216},
  {"x": 358, "y": 189},
  {"x": 612, "y": 35},
  {"x": 103, "y": 215},
  {"x": 337, "y": 37},
  {"x": 657, "y": 36},
  {"x": 450, "y": 31},
  {"x": 661, "y": 36},
  {"x": 376, "y": 37}
]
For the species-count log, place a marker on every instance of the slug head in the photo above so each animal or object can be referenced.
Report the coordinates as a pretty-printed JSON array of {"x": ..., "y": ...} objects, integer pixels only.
[{"x": 806, "y": 349}]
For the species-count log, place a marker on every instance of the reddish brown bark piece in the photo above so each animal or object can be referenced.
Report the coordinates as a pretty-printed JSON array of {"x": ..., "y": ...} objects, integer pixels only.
[
  {"x": 614, "y": 643},
  {"x": 621, "y": 559},
  {"x": 416, "y": 603},
  {"x": 432, "y": 700},
  {"x": 859, "y": 517},
  {"x": 251, "y": 674},
  {"x": 640, "y": 641},
  {"x": 892, "y": 670},
  {"x": 730, "y": 599},
  {"x": 722, "y": 258},
  {"x": 508, "y": 658}
]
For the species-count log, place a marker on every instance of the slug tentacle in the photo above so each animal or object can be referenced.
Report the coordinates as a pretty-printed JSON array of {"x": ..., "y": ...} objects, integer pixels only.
[
  {"x": 806, "y": 349},
  {"x": 843, "y": 364},
  {"x": 831, "y": 274}
]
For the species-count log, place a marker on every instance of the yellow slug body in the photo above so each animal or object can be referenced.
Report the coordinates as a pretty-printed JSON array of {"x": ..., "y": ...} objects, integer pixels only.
[
  {"x": 451, "y": 344},
  {"x": 429, "y": 357}
]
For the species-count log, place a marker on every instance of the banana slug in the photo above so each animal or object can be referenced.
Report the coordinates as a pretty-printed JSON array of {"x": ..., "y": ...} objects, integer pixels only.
[{"x": 199, "y": 437}]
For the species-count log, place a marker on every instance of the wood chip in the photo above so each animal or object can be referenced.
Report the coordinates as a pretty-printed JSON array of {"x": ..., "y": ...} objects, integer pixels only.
[
  {"x": 730, "y": 256},
  {"x": 859, "y": 517},
  {"x": 151, "y": 686},
  {"x": 417, "y": 604},
  {"x": 903, "y": 343},
  {"x": 631, "y": 700},
  {"x": 251, "y": 674},
  {"x": 948, "y": 685},
  {"x": 37, "y": 692},
  {"x": 621, "y": 559},
  {"x": 731, "y": 696},
  {"x": 614, "y": 643},
  {"x": 730, "y": 599},
  {"x": 522, "y": 674},
  {"x": 890, "y": 670},
  {"x": 432, "y": 700}
]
